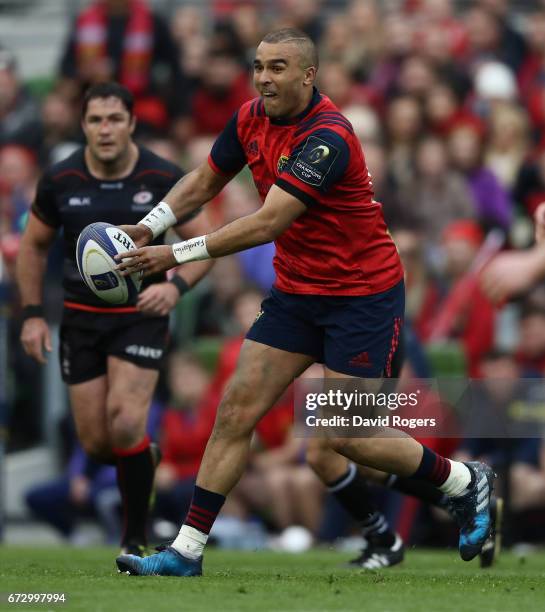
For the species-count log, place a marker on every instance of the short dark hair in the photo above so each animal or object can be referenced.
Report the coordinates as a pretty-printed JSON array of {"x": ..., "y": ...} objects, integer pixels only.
[
  {"x": 108, "y": 90},
  {"x": 309, "y": 54}
]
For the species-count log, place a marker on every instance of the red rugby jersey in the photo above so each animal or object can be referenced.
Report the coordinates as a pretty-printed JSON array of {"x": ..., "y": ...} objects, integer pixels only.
[{"x": 340, "y": 245}]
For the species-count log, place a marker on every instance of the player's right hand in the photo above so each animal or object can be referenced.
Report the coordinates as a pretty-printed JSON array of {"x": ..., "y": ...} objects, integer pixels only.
[
  {"x": 35, "y": 337},
  {"x": 140, "y": 234}
]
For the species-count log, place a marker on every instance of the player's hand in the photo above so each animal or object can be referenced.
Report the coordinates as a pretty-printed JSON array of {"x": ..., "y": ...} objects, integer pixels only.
[
  {"x": 141, "y": 234},
  {"x": 79, "y": 490},
  {"x": 539, "y": 219},
  {"x": 510, "y": 274},
  {"x": 148, "y": 260},
  {"x": 165, "y": 477},
  {"x": 158, "y": 300},
  {"x": 35, "y": 337}
]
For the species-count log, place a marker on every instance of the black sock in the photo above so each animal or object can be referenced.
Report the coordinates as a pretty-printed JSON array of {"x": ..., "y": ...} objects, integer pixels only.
[
  {"x": 354, "y": 495},
  {"x": 422, "y": 490},
  {"x": 135, "y": 471},
  {"x": 205, "y": 507}
]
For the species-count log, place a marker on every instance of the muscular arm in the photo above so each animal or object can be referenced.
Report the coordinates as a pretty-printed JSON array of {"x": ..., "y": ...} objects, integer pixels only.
[
  {"x": 276, "y": 215},
  {"x": 265, "y": 225},
  {"x": 32, "y": 260},
  {"x": 31, "y": 263}
]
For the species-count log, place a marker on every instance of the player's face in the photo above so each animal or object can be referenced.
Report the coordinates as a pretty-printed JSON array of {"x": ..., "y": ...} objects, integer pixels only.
[
  {"x": 108, "y": 128},
  {"x": 281, "y": 79}
]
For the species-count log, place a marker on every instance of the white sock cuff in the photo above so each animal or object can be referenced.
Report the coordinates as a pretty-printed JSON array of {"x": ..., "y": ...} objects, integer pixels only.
[
  {"x": 458, "y": 479},
  {"x": 352, "y": 471},
  {"x": 190, "y": 542}
]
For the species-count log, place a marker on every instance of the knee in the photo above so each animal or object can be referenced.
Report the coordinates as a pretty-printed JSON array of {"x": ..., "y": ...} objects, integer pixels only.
[{"x": 125, "y": 423}]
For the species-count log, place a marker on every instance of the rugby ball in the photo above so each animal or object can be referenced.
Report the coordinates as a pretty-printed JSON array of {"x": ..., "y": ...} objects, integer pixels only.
[{"x": 97, "y": 245}]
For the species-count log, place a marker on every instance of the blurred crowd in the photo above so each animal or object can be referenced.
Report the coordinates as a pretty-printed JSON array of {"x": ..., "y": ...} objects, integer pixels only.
[{"x": 448, "y": 100}]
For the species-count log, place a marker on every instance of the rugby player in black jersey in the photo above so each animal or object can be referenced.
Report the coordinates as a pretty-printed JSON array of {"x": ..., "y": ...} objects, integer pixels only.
[{"x": 110, "y": 356}]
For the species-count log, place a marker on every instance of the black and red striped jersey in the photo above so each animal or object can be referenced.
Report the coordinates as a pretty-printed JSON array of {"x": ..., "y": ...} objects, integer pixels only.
[{"x": 340, "y": 245}]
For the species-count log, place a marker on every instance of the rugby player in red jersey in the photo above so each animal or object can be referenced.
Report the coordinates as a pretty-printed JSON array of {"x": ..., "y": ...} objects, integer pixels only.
[{"x": 338, "y": 296}]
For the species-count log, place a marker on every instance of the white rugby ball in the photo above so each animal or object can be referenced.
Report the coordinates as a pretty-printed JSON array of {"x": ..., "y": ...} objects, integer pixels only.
[{"x": 97, "y": 245}]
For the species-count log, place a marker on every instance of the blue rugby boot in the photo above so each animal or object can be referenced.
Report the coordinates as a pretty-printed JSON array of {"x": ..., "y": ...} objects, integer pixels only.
[
  {"x": 168, "y": 562},
  {"x": 492, "y": 547},
  {"x": 472, "y": 510}
]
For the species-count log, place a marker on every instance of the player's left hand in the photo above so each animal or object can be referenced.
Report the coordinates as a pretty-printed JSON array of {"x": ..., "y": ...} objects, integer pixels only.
[
  {"x": 510, "y": 274},
  {"x": 158, "y": 299},
  {"x": 148, "y": 260}
]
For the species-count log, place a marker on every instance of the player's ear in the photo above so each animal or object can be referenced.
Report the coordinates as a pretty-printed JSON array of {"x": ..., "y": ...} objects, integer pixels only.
[
  {"x": 132, "y": 125},
  {"x": 310, "y": 75}
]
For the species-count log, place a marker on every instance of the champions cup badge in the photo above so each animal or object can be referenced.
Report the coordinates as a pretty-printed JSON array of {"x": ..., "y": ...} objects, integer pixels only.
[
  {"x": 282, "y": 161},
  {"x": 318, "y": 154}
]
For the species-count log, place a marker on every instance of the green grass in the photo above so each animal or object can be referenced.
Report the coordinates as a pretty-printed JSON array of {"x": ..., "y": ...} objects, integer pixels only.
[{"x": 268, "y": 581}]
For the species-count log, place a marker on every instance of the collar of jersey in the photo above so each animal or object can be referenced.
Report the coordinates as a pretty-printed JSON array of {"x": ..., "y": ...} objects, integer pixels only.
[{"x": 316, "y": 99}]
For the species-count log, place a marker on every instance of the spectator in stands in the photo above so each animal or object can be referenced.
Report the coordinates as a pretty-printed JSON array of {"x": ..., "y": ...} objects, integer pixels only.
[
  {"x": 416, "y": 77},
  {"x": 247, "y": 20},
  {"x": 18, "y": 178},
  {"x": 19, "y": 112},
  {"x": 188, "y": 30},
  {"x": 365, "y": 37},
  {"x": 436, "y": 48},
  {"x": 444, "y": 110},
  {"x": 437, "y": 17},
  {"x": 507, "y": 145},
  {"x": 336, "y": 82},
  {"x": 398, "y": 44},
  {"x": 224, "y": 84},
  {"x": 404, "y": 125},
  {"x": 436, "y": 196},
  {"x": 301, "y": 14},
  {"x": 86, "y": 489},
  {"x": 491, "y": 38},
  {"x": 512, "y": 42},
  {"x": 123, "y": 40},
  {"x": 60, "y": 129},
  {"x": 384, "y": 188},
  {"x": 492, "y": 203}
]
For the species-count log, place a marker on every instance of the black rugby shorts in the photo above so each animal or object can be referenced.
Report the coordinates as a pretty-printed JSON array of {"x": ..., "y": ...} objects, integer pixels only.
[{"x": 87, "y": 339}]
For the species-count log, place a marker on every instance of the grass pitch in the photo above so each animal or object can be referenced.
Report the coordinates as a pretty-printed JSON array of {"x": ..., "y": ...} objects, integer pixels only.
[{"x": 274, "y": 582}]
